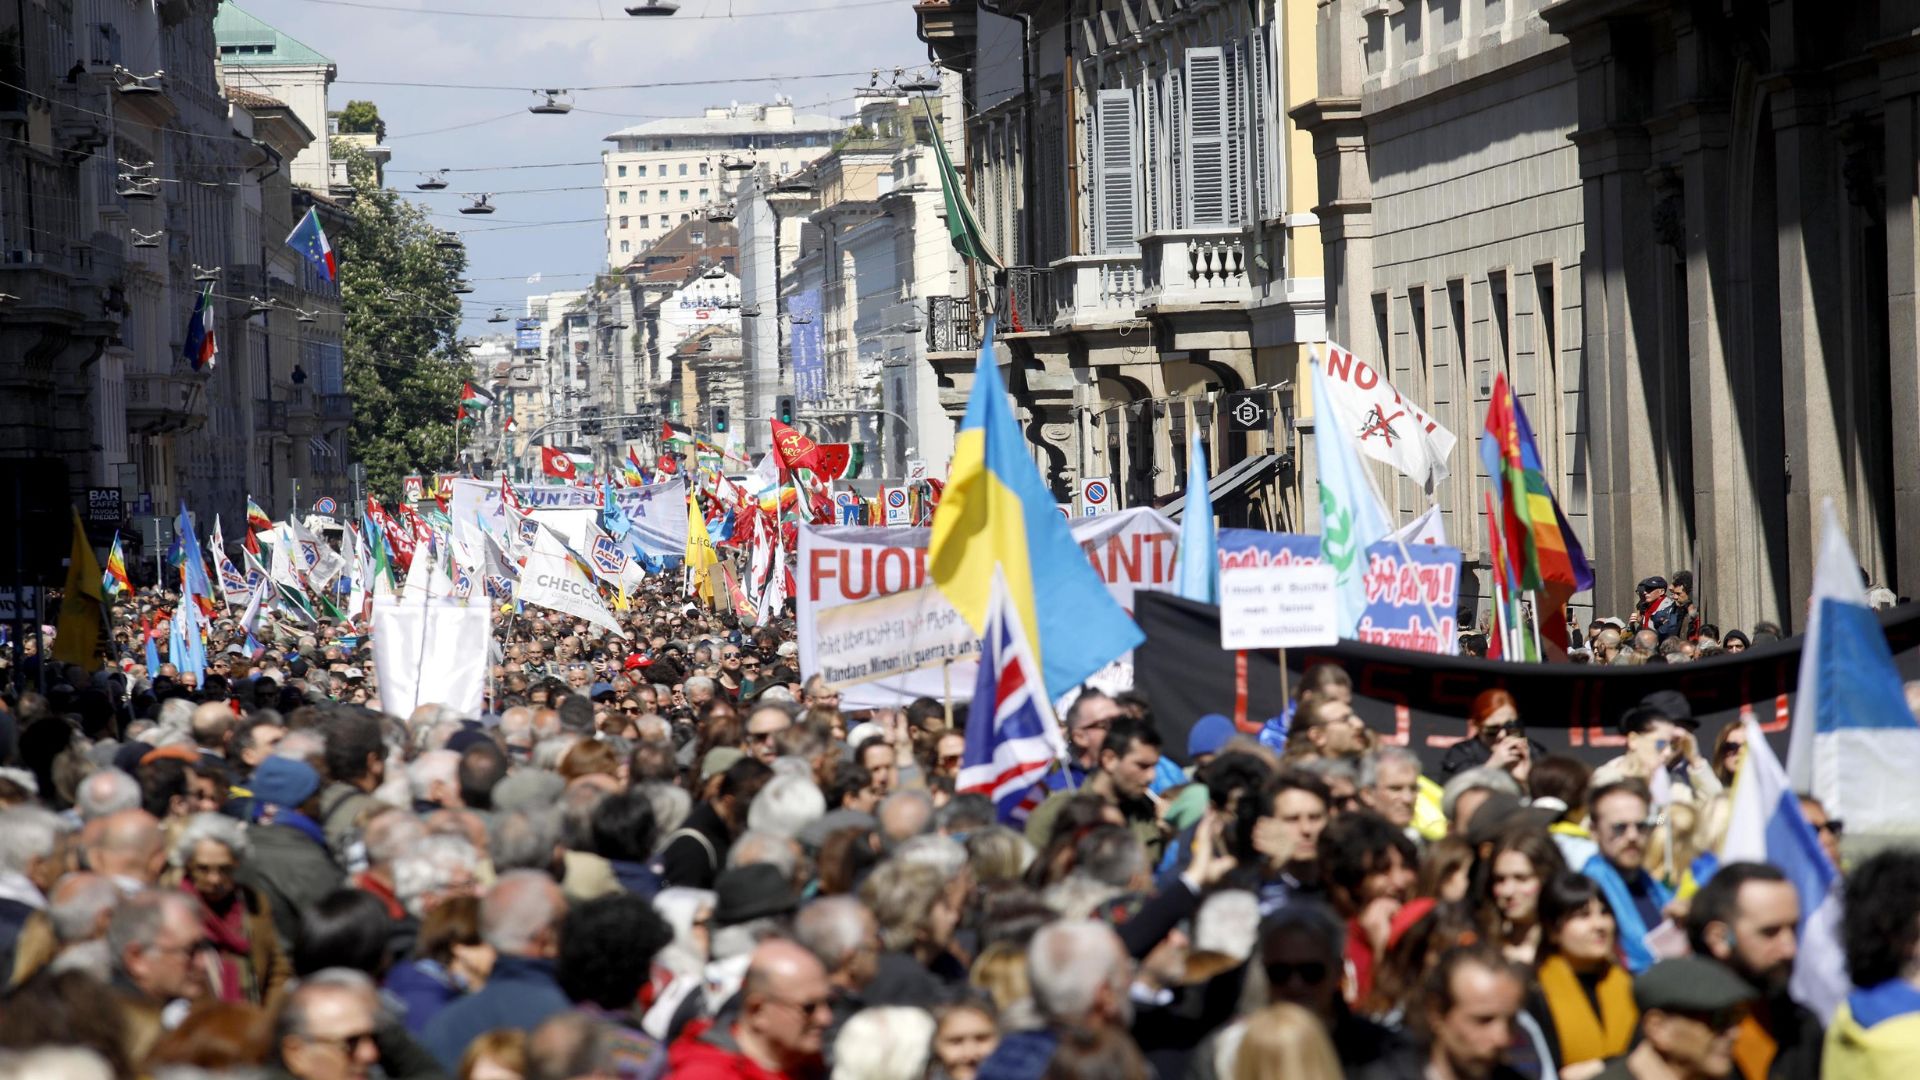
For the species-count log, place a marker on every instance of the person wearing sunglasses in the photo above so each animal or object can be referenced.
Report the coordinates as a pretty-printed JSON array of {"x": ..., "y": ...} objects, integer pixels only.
[
  {"x": 1691, "y": 1009},
  {"x": 1827, "y": 827},
  {"x": 1495, "y": 736},
  {"x": 328, "y": 1031},
  {"x": 1622, "y": 820},
  {"x": 779, "y": 1028}
]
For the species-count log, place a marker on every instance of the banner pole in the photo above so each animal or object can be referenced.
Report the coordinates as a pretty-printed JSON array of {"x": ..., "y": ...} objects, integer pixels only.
[
  {"x": 1286, "y": 692},
  {"x": 946, "y": 677}
]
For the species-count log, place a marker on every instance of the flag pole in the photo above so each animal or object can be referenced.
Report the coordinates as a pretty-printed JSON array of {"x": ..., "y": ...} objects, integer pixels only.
[{"x": 1533, "y": 599}]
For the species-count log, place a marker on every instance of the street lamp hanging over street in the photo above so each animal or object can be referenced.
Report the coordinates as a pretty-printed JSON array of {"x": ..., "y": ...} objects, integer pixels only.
[
  {"x": 558, "y": 103},
  {"x": 654, "y": 8}
]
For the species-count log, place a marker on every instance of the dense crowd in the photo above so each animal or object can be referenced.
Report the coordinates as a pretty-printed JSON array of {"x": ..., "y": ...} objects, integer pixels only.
[{"x": 672, "y": 855}]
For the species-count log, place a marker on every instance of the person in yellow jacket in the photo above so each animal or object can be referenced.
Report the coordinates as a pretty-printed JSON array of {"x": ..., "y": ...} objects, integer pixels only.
[{"x": 1875, "y": 1034}]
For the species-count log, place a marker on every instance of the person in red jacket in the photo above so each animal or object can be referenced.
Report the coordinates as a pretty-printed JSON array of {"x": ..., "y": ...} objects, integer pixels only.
[{"x": 773, "y": 1031}]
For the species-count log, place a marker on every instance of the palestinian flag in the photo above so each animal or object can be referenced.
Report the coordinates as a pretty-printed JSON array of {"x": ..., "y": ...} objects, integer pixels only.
[{"x": 472, "y": 403}]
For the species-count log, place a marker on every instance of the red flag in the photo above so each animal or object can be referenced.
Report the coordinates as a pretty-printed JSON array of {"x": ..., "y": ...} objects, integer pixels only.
[
  {"x": 556, "y": 463},
  {"x": 399, "y": 538},
  {"x": 511, "y": 497},
  {"x": 795, "y": 450}
]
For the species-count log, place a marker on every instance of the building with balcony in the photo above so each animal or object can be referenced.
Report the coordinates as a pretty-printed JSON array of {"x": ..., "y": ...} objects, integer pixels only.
[
  {"x": 260, "y": 58},
  {"x": 871, "y": 248},
  {"x": 666, "y": 173},
  {"x": 1152, "y": 202}
]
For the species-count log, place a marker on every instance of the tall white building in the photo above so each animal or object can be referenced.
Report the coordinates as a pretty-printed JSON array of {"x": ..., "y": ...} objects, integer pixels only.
[{"x": 666, "y": 172}]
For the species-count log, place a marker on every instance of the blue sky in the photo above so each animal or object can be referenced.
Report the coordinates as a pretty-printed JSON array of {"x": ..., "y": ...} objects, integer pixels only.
[{"x": 570, "y": 44}]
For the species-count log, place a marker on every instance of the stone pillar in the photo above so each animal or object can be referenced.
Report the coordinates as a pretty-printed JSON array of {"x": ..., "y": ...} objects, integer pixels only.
[
  {"x": 1900, "y": 91},
  {"x": 1811, "y": 266}
]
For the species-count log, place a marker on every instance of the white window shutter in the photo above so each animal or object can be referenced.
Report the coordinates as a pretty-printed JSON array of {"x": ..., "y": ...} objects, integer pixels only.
[
  {"x": 1150, "y": 157},
  {"x": 1207, "y": 156},
  {"x": 1238, "y": 165},
  {"x": 1260, "y": 200},
  {"x": 1119, "y": 185}
]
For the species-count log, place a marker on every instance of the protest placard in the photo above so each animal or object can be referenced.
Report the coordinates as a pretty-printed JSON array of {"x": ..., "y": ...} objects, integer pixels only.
[{"x": 1278, "y": 606}]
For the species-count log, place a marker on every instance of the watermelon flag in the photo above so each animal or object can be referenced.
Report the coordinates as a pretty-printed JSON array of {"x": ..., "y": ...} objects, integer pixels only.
[{"x": 1541, "y": 551}]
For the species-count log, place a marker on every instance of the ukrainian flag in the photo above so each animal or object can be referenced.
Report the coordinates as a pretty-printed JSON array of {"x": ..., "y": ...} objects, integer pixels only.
[{"x": 997, "y": 511}]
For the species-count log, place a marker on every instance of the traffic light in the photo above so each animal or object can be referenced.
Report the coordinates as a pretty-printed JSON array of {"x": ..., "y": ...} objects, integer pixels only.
[
  {"x": 783, "y": 408},
  {"x": 722, "y": 419}
]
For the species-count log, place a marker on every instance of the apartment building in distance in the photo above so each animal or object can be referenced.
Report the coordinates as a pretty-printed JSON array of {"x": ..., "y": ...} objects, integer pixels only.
[{"x": 665, "y": 173}]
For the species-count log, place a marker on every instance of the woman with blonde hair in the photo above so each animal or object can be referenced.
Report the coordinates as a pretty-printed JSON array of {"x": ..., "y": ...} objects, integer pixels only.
[
  {"x": 1282, "y": 1039},
  {"x": 498, "y": 1055},
  {"x": 1000, "y": 972}
]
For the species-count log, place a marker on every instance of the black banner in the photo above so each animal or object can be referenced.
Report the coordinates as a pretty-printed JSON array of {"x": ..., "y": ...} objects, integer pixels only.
[{"x": 1421, "y": 701}]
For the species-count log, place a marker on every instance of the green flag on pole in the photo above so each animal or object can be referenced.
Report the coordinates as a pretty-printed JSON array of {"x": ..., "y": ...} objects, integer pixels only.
[{"x": 962, "y": 227}]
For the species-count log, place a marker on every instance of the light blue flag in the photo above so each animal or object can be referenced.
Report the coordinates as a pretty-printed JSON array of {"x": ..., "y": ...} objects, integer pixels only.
[
  {"x": 1853, "y": 741},
  {"x": 1199, "y": 566},
  {"x": 1352, "y": 519},
  {"x": 613, "y": 518},
  {"x": 153, "y": 657}
]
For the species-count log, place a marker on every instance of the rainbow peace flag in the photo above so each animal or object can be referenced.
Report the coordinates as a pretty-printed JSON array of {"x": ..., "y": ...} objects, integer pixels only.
[
  {"x": 114, "y": 580},
  {"x": 1541, "y": 551}
]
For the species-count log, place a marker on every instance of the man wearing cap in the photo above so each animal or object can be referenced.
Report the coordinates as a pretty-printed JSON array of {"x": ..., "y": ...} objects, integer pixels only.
[
  {"x": 1660, "y": 739},
  {"x": 1656, "y": 611},
  {"x": 291, "y": 862},
  {"x": 1691, "y": 1009}
]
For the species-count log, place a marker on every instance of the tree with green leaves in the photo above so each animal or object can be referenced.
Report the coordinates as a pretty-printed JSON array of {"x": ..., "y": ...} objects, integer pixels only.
[
  {"x": 404, "y": 363},
  {"x": 361, "y": 118}
]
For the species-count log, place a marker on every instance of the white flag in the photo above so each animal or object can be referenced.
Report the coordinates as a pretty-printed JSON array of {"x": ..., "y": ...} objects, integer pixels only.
[
  {"x": 1390, "y": 429},
  {"x": 533, "y": 278},
  {"x": 553, "y": 580},
  {"x": 1428, "y": 528}
]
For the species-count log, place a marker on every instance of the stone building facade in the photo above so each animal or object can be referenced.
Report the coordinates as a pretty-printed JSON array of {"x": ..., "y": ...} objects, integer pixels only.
[{"x": 1679, "y": 232}]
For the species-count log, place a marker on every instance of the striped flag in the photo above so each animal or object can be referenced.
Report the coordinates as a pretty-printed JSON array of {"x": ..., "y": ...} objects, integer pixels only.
[
  {"x": 201, "y": 347},
  {"x": 1542, "y": 552},
  {"x": 1766, "y": 826},
  {"x": 114, "y": 579},
  {"x": 1007, "y": 757},
  {"x": 1853, "y": 741}
]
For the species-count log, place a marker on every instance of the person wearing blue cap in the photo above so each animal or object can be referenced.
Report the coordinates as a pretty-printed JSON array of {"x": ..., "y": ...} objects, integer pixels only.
[
  {"x": 291, "y": 862},
  {"x": 1206, "y": 737}
]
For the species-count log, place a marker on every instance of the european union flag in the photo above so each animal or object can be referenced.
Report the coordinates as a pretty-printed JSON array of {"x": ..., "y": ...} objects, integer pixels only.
[{"x": 310, "y": 240}]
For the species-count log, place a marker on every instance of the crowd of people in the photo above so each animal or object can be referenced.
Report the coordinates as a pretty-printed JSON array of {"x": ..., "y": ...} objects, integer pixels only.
[{"x": 672, "y": 855}]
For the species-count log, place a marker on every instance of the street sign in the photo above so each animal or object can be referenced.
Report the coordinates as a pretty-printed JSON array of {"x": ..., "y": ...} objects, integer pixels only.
[
  {"x": 19, "y": 604},
  {"x": 325, "y": 505},
  {"x": 916, "y": 469},
  {"x": 1096, "y": 496},
  {"x": 895, "y": 501},
  {"x": 143, "y": 504},
  {"x": 1249, "y": 411},
  {"x": 103, "y": 506},
  {"x": 1066, "y": 511}
]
